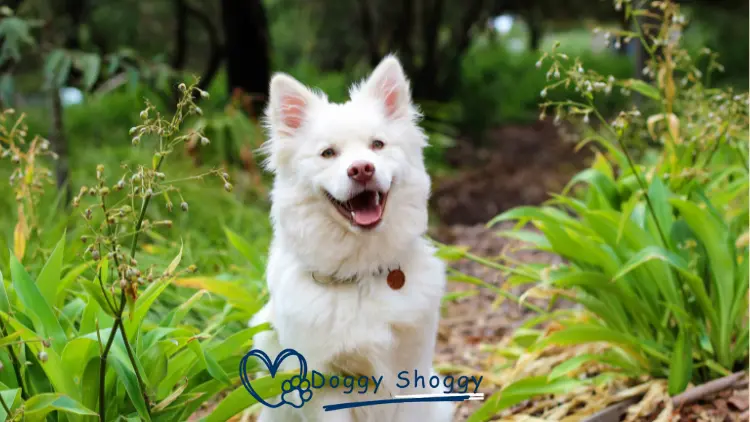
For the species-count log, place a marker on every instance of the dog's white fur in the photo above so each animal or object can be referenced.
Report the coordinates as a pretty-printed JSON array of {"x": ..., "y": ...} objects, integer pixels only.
[{"x": 365, "y": 328}]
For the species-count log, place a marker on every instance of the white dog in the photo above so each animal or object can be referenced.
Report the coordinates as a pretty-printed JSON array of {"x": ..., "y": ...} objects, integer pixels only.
[{"x": 349, "y": 207}]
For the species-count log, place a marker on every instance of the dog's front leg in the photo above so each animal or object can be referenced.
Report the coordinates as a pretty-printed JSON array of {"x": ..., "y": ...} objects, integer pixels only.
[{"x": 315, "y": 411}]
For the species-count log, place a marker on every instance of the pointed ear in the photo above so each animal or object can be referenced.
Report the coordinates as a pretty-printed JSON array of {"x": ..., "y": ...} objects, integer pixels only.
[
  {"x": 389, "y": 85},
  {"x": 288, "y": 105}
]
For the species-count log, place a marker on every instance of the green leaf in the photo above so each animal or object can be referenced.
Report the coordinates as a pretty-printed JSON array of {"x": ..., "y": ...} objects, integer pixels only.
[
  {"x": 675, "y": 261},
  {"x": 643, "y": 88},
  {"x": 570, "y": 365},
  {"x": 69, "y": 278},
  {"x": 239, "y": 399},
  {"x": 91, "y": 64},
  {"x": 603, "y": 185},
  {"x": 590, "y": 333},
  {"x": 521, "y": 390},
  {"x": 36, "y": 408},
  {"x": 174, "y": 264},
  {"x": 52, "y": 62},
  {"x": 4, "y": 303},
  {"x": 155, "y": 362},
  {"x": 45, "y": 322},
  {"x": 244, "y": 248},
  {"x": 451, "y": 253},
  {"x": 714, "y": 237},
  {"x": 76, "y": 357},
  {"x": 63, "y": 72},
  {"x": 209, "y": 363},
  {"x": 236, "y": 292},
  {"x": 143, "y": 304},
  {"x": 95, "y": 292},
  {"x": 176, "y": 316},
  {"x": 54, "y": 369},
  {"x": 538, "y": 240},
  {"x": 15, "y": 32},
  {"x": 237, "y": 342},
  {"x": 114, "y": 63},
  {"x": 11, "y": 398},
  {"x": 126, "y": 376},
  {"x": 49, "y": 278},
  {"x": 681, "y": 366},
  {"x": 659, "y": 196}
]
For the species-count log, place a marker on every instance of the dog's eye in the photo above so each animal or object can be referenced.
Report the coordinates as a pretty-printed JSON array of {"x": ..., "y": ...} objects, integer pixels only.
[
  {"x": 377, "y": 144},
  {"x": 328, "y": 153}
]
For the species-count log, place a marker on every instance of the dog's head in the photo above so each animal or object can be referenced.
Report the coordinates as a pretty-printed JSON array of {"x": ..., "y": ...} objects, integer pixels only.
[{"x": 356, "y": 165}]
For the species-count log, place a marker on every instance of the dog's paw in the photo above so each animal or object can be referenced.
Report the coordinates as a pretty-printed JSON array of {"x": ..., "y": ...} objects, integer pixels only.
[{"x": 296, "y": 391}]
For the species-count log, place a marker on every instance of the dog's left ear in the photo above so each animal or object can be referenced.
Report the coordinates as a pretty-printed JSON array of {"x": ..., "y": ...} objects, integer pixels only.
[{"x": 389, "y": 85}]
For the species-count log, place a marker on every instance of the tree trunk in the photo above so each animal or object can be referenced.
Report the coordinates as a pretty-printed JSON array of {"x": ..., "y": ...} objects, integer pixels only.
[
  {"x": 60, "y": 146},
  {"x": 425, "y": 86},
  {"x": 536, "y": 30},
  {"x": 248, "y": 60}
]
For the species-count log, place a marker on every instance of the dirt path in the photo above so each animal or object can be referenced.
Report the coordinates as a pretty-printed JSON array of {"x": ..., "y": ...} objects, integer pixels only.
[
  {"x": 516, "y": 165},
  {"x": 471, "y": 323}
]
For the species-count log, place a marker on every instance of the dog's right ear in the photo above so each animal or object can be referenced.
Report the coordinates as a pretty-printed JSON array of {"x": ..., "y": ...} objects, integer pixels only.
[{"x": 288, "y": 105}]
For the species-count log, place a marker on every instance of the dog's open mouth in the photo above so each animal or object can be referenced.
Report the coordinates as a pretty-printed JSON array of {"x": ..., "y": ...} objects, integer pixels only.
[{"x": 364, "y": 210}]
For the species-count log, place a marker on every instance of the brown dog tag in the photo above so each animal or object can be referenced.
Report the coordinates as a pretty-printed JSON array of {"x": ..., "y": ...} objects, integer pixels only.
[{"x": 396, "y": 279}]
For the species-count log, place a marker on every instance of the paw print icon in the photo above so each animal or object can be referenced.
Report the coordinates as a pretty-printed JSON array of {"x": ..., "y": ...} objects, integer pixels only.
[{"x": 296, "y": 391}]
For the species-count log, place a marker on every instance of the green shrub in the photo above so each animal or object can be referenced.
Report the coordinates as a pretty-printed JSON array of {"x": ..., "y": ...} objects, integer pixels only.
[
  {"x": 655, "y": 251},
  {"x": 501, "y": 87}
]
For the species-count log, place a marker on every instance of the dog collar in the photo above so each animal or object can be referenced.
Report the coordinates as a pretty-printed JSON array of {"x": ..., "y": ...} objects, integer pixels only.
[{"x": 395, "y": 278}]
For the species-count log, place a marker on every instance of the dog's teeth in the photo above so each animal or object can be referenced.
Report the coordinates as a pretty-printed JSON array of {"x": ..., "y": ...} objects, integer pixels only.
[
  {"x": 377, "y": 199},
  {"x": 352, "y": 215}
]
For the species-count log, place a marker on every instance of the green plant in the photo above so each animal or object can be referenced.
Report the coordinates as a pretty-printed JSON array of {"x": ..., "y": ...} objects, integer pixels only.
[
  {"x": 656, "y": 246},
  {"x": 91, "y": 340},
  {"x": 501, "y": 87}
]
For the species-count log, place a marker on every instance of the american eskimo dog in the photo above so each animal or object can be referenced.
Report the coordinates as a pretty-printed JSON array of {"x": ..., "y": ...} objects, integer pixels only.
[{"x": 354, "y": 286}]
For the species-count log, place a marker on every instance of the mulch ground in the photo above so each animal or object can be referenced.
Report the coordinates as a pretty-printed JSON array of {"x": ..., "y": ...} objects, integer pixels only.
[{"x": 515, "y": 165}]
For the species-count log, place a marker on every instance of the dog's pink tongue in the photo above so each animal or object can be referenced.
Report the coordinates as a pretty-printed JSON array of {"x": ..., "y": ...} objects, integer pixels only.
[{"x": 369, "y": 215}]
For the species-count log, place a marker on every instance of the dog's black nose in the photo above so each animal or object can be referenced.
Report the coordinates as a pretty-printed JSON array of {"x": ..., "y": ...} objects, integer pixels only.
[{"x": 361, "y": 171}]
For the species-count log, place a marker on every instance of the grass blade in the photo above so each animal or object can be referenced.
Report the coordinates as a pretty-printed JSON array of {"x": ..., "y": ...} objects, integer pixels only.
[{"x": 40, "y": 312}]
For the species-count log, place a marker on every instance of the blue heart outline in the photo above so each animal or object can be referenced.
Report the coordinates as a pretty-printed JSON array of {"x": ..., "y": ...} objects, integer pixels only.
[{"x": 273, "y": 368}]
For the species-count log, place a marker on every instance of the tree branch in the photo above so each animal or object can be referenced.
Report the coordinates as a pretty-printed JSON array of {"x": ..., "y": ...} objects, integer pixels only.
[{"x": 217, "y": 50}]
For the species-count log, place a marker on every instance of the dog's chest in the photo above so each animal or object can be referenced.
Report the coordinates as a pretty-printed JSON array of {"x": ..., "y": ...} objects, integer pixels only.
[{"x": 367, "y": 317}]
